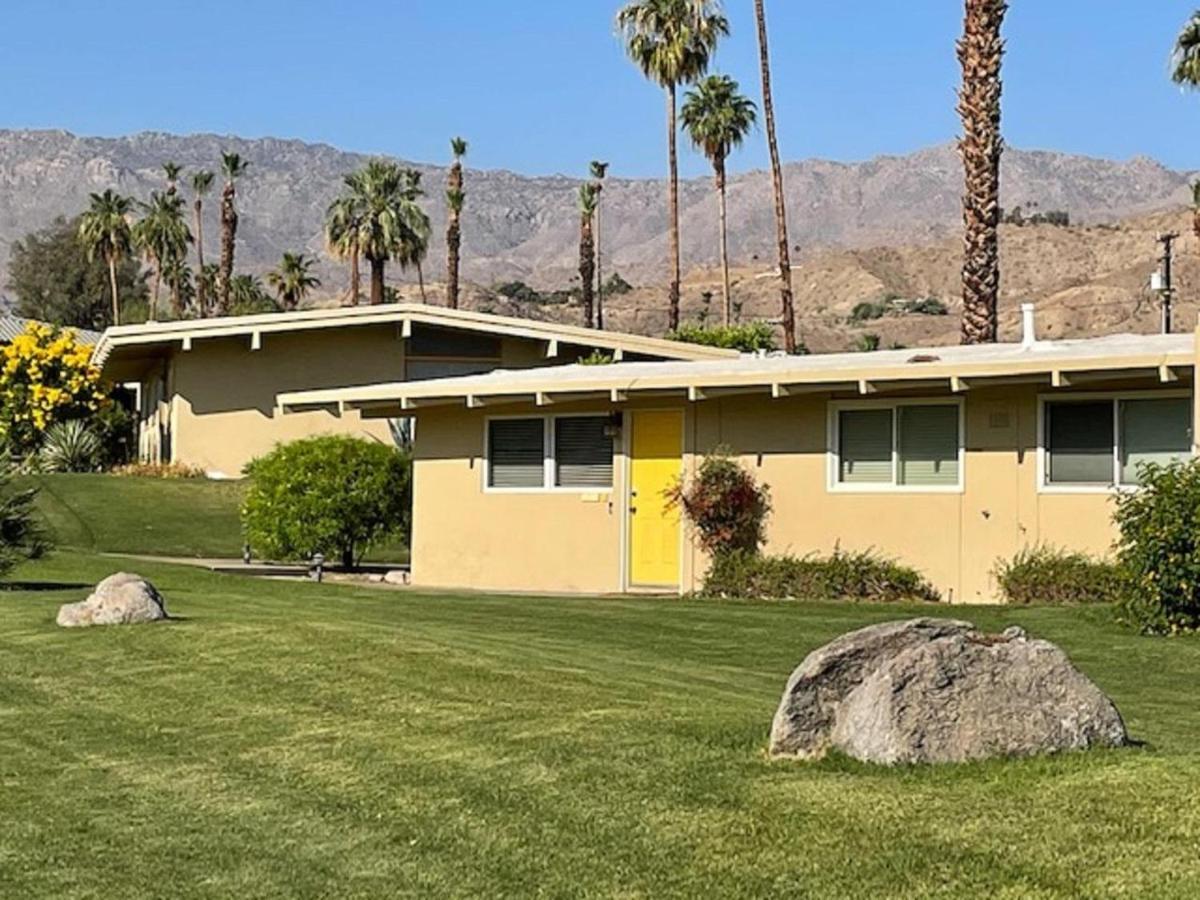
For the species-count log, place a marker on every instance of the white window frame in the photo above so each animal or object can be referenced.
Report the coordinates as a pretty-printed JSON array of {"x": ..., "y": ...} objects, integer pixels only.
[
  {"x": 1044, "y": 485},
  {"x": 549, "y": 463},
  {"x": 833, "y": 454}
]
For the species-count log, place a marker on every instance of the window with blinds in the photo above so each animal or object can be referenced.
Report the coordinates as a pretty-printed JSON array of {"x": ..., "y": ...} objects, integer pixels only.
[
  {"x": 1079, "y": 442},
  {"x": 900, "y": 445},
  {"x": 583, "y": 452},
  {"x": 1153, "y": 431},
  {"x": 927, "y": 445},
  {"x": 516, "y": 453},
  {"x": 865, "y": 446}
]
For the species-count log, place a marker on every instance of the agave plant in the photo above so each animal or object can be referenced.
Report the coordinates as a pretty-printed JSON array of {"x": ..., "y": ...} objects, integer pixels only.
[{"x": 71, "y": 446}]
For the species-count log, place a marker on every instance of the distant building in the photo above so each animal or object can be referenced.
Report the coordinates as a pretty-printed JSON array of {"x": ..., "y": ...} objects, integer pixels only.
[{"x": 11, "y": 326}]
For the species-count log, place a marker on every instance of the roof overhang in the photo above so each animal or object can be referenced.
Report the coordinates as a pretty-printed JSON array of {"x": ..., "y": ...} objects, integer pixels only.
[
  {"x": 699, "y": 382},
  {"x": 157, "y": 337}
]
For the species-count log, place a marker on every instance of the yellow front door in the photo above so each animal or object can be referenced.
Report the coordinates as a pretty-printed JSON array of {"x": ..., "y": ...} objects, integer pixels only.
[{"x": 655, "y": 464}]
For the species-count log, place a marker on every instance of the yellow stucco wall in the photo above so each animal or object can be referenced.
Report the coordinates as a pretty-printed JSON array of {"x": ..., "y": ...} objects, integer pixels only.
[{"x": 548, "y": 541}]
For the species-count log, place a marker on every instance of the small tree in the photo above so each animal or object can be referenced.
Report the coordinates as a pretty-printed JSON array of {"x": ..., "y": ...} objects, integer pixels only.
[
  {"x": 333, "y": 494},
  {"x": 46, "y": 376},
  {"x": 1159, "y": 549},
  {"x": 725, "y": 505},
  {"x": 21, "y": 534}
]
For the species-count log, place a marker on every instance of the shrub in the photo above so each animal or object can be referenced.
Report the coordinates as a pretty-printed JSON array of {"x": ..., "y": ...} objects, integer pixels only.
[
  {"x": 749, "y": 337},
  {"x": 159, "y": 470},
  {"x": 616, "y": 285},
  {"x": 46, "y": 376},
  {"x": 867, "y": 311},
  {"x": 725, "y": 505},
  {"x": 21, "y": 533},
  {"x": 596, "y": 358},
  {"x": 334, "y": 495},
  {"x": 1050, "y": 575},
  {"x": 867, "y": 343},
  {"x": 1159, "y": 549},
  {"x": 843, "y": 575},
  {"x": 72, "y": 446}
]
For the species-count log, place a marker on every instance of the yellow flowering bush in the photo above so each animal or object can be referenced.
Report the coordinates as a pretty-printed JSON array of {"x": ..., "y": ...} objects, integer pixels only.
[{"x": 46, "y": 377}]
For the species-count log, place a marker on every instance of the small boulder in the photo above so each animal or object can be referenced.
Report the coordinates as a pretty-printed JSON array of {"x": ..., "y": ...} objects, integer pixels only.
[
  {"x": 929, "y": 690},
  {"x": 397, "y": 577},
  {"x": 120, "y": 599}
]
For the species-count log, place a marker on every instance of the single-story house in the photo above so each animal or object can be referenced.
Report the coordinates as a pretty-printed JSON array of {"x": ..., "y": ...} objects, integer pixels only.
[
  {"x": 206, "y": 388},
  {"x": 948, "y": 458}
]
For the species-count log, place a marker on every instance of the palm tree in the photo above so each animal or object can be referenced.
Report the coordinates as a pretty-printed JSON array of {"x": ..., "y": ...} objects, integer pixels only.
[
  {"x": 201, "y": 185},
  {"x": 234, "y": 167},
  {"x": 672, "y": 41},
  {"x": 1185, "y": 71},
  {"x": 105, "y": 232},
  {"x": 293, "y": 279},
  {"x": 172, "y": 170},
  {"x": 391, "y": 224},
  {"x": 589, "y": 194},
  {"x": 455, "y": 197},
  {"x": 787, "y": 301},
  {"x": 178, "y": 274},
  {"x": 343, "y": 220},
  {"x": 206, "y": 282},
  {"x": 980, "y": 51},
  {"x": 717, "y": 119},
  {"x": 163, "y": 236},
  {"x": 598, "y": 171}
]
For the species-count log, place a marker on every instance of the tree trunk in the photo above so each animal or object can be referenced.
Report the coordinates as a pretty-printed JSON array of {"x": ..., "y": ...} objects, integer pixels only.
[
  {"x": 112, "y": 283},
  {"x": 229, "y": 223},
  {"x": 786, "y": 297},
  {"x": 587, "y": 269},
  {"x": 980, "y": 52},
  {"x": 727, "y": 296},
  {"x": 421, "y": 281},
  {"x": 176, "y": 296},
  {"x": 599, "y": 273},
  {"x": 157, "y": 284},
  {"x": 348, "y": 558},
  {"x": 355, "y": 278},
  {"x": 453, "y": 237},
  {"x": 376, "y": 280},
  {"x": 673, "y": 211},
  {"x": 201, "y": 298}
]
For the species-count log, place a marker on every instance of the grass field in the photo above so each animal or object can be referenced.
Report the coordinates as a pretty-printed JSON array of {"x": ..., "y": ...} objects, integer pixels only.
[
  {"x": 299, "y": 740},
  {"x": 152, "y": 516}
]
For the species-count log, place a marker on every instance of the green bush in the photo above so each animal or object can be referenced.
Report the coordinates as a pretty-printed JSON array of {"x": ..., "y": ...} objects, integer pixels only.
[
  {"x": 72, "y": 446},
  {"x": 21, "y": 533},
  {"x": 1050, "y": 575},
  {"x": 867, "y": 311},
  {"x": 725, "y": 505},
  {"x": 843, "y": 575},
  {"x": 333, "y": 495},
  {"x": 1159, "y": 549},
  {"x": 749, "y": 337}
]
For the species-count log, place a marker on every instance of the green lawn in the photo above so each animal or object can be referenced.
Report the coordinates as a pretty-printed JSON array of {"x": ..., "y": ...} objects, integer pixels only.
[
  {"x": 299, "y": 740},
  {"x": 155, "y": 516}
]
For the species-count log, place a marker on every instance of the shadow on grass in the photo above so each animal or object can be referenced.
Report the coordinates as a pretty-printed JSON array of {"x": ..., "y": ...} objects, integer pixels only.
[{"x": 16, "y": 587}]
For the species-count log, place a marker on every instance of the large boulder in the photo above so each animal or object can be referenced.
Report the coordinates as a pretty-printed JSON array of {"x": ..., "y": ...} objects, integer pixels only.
[
  {"x": 120, "y": 599},
  {"x": 937, "y": 690}
]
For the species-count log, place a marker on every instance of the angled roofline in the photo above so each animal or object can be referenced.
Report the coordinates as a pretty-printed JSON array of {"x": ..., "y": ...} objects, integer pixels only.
[
  {"x": 404, "y": 314},
  {"x": 1055, "y": 363}
]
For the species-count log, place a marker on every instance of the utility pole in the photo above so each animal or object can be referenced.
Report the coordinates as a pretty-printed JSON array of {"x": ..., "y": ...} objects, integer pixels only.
[{"x": 1163, "y": 284}]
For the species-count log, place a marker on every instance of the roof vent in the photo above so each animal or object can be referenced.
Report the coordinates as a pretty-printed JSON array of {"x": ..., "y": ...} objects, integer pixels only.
[{"x": 1028, "y": 325}]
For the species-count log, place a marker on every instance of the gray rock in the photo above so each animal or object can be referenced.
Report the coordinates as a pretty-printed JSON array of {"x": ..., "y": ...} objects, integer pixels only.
[
  {"x": 914, "y": 692},
  {"x": 397, "y": 576},
  {"x": 120, "y": 599}
]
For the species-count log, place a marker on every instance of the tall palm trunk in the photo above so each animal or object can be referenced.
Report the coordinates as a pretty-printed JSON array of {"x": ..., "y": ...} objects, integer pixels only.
[
  {"x": 727, "y": 296},
  {"x": 355, "y": 278},
  {"x": 673, "y": 210},
  {"x": 376, "y": 280},
  {"x": 587, "y": 268},
  {"x": 201, "y": 298},
  {"x": 980, "y": 51},
  {"x": 112, "y": 283},
  {"x": 421, "y": 281},
  {"x": 157, "y": 284},
  {"x": 176, "y": 296},
  {"x": 786, "y": 297},
  {"x": 453, "y": 235},
  {"x": 229, "y": 223}
]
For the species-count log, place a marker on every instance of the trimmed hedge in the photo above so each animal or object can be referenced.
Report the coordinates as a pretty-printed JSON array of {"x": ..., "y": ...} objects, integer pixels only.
[
  {"x": 843, "y": 575},
  {"x": 1051, "y": 575}
]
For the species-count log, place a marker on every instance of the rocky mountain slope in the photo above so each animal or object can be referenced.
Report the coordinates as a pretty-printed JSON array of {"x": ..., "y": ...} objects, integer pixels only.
[{"x": 519, "y": 227}]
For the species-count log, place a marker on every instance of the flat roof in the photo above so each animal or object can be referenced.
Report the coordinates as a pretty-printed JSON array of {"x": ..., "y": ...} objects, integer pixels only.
[
  {"x": 866, "y": 373},
  {"x": 184, "y": 333}
]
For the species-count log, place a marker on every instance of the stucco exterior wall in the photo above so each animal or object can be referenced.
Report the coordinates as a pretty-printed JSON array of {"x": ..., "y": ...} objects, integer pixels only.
[{"x": 546, "y": 541}]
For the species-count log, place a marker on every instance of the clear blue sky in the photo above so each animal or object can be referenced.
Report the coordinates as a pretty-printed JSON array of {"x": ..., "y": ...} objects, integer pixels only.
[{"x": 543, "y": 86}]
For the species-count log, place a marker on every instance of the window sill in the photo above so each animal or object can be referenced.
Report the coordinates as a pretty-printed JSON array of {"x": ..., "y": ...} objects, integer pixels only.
[{"x": 895, "y": 489}]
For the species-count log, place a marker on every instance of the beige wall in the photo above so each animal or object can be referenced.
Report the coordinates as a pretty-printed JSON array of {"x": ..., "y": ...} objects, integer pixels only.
[{"x": 466, "y": 537}]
